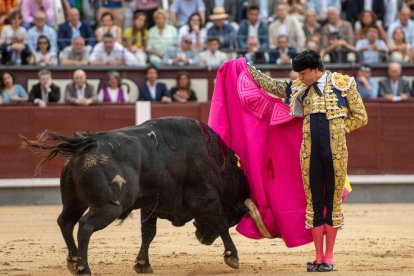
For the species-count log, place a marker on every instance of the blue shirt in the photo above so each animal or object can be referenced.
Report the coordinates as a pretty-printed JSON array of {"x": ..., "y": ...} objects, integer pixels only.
[
  {"x": 365, "y": 94},
  {"x": 33, "y": 34},
  {"x": 184, "y": 8},
  {"x": 227, "y": 35},
  {"x": 112, "y": 4},
  {"x": 18, "y": 91}
]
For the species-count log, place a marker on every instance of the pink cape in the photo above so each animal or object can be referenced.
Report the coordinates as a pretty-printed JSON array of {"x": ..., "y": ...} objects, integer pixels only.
[{"x": 259, "y": 129}]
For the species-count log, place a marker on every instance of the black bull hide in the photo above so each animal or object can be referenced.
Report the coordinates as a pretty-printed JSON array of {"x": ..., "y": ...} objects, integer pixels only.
[{"x": 171, "y": 168}]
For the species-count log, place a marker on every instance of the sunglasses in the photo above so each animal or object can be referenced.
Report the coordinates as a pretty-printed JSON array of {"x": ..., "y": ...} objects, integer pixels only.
[{"x": 188, "y": 41}]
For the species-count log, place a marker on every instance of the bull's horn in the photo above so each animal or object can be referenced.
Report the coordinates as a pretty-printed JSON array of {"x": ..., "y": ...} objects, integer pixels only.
[{"x": 257, "y": 219}]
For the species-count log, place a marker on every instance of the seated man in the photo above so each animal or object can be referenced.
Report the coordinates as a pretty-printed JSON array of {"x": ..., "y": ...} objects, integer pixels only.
[
  {"x": 44, "y": 91},
  {"x": 395, "y": 87},
  {"x": 283, "y": 53},
  {"x": 79, "y": 91},
  {"x": 153, "y": 90},
  {"x": 338, "y": 49},
  {"x": 252, "y": 27},
  {"x": 213, "y": 57},
  {"x": 372, "y": 49},
  {"x": 182, "y": 55},
  {"x": 254, "y": 55},
  {"x": 73, "y": 28},
  {"x": 367, "y": 87},
  {"x": 222, "y": 30},
  {"x": 110, "y": 52},
  {"x": 77, "y": 54},
  {"x": 39, "y": 29}
]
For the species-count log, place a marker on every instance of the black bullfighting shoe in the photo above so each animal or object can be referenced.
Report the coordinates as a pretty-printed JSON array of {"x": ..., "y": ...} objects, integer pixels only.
[
  {"x": 324, "y": 267},
  {"x": 312, "y": 267}
]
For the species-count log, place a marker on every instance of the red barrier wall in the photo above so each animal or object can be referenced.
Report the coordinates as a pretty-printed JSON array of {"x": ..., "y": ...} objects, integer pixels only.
[{"x": 385, "y": 146}]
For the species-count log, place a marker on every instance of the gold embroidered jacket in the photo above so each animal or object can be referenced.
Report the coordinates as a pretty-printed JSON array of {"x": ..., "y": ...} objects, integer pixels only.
[{"x": 340, "y": 97}]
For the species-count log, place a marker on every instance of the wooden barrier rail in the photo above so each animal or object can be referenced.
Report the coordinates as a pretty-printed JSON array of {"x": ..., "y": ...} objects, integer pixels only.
[{"x": 385, "y": 146}]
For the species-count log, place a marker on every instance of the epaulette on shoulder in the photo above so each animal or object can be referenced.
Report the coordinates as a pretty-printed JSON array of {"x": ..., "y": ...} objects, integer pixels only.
[
  {"x": 342, "y": 82},
  {"x": 297, "y": 85}
]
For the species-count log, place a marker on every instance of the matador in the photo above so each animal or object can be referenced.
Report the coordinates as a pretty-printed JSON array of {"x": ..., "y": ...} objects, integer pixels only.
[{"x": 331, "y": 107}]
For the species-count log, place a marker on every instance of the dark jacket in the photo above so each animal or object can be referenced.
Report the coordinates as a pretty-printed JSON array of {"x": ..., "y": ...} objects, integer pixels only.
[
  {"x": 36, "y": 93},
  {"x": 71, "y": 95},
  {"x": 192, "y": 98},
  {"x": 386, "y": 89},
  {"x": 243, "y": 34},
  {"x": 160, "y": 91},
  {"x": 274, "y": 54},
  {"x": 65, "y": 34}
]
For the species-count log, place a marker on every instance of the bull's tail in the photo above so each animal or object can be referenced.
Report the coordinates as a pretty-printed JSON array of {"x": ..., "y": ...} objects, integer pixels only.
[{"x": 55, "y": 144}]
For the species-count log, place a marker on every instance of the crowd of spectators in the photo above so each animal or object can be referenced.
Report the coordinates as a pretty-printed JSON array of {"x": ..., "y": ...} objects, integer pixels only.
[{"x": 203, "y": 33}]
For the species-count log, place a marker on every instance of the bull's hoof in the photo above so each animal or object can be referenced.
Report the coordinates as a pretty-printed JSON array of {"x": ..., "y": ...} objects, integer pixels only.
[
  {"x": 231, "y": 261},
  {"x": 142, "y": 267},
  {"x": 71, "y": 266}
]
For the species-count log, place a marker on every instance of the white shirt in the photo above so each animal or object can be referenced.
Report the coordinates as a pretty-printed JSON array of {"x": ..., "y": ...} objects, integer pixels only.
[
  {"x": 152, "y": 90},
  {"x": 394, "y": 87},
  {"x": 368, "y": 5},
  {"x": 119, "y": 52},
  {"x": 80, "y": 91},
  {"x": 322, "y": 82},
  {"x": 254, "y": 29},
  {"x": 113, "y": 95}
]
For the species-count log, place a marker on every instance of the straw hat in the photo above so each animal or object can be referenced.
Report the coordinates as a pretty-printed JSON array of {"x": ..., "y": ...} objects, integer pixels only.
[{"x": 218, "y": 13}]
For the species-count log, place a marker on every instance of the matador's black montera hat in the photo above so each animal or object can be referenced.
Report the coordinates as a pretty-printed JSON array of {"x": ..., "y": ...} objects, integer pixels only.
[{"x": 307, "y": 59}]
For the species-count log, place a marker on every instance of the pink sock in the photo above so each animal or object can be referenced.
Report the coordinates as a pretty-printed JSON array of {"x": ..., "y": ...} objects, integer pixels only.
[
  {"x": 317, "y": 234},
  {"x": 330, "y": 242}
]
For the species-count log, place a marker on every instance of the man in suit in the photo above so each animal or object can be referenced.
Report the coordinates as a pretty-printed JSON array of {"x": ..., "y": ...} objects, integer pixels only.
[
  {"x": 283, "y": 54},
  {"x": 288, "y": 26},
  {"x": 252, "y": 27},
  {"x": 152, "y": 90},
  {"x": 44, "y": 91},
  {"x": 395, "y": 86},
  {"x": 73, "y": 28},
  {"x": 79, "y": 91}
]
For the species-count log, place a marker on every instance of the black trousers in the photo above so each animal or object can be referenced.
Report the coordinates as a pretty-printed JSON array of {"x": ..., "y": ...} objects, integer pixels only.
[{"x": 321, "y": 174}]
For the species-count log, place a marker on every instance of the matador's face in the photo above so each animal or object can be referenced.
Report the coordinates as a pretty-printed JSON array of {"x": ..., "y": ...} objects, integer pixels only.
[{"x": 309, "y": 76}]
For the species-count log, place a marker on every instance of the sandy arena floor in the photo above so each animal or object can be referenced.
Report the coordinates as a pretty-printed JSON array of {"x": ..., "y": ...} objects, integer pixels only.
[{"x": 377, "y": 240}]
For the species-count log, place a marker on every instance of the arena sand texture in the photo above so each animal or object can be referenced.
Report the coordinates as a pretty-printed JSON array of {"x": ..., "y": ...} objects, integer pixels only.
[{"x": 376, "y": 240}]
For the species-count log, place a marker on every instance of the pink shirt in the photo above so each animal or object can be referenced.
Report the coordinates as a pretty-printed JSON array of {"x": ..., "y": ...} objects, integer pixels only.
[
  {"x": 148, "y": 4},
  {"x": 30, "y": 7}
]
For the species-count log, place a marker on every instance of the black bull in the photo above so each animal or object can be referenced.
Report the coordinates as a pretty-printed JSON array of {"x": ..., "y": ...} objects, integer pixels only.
[{"x": 172, "y": 168}]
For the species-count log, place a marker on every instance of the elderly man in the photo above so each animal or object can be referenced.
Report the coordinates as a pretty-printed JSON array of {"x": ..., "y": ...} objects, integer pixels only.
[
  {"x": 321, "y": 7},
  {"x": 79, "y": 91},
  {"x": 110, "y": 52},
  {"x": 288, "y": 26},
  {"x": 41, "y": 28},
  {"x": 405, "y": 23},
  {"x": 395, "y": 87},
  {"x": 283, "y": 54},
  {"x": 77, "y": 54},
  {"x": 182, "y": 55},
  {"x": 337, "y": 25},
  {"x": 73, "y": 28}
]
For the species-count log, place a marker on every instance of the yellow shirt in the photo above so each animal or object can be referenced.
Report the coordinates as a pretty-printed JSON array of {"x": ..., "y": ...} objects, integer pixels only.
[{"x": 138, "y": 39}]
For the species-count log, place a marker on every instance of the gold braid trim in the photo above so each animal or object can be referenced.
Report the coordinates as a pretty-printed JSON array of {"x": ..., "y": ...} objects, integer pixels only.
[
  {"x": 342, "y": 82},
  {"x": 271, "y": 86}
]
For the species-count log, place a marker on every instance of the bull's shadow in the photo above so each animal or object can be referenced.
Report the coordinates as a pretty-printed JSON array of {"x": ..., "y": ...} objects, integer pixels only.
[{"x": 171, "y": 168}]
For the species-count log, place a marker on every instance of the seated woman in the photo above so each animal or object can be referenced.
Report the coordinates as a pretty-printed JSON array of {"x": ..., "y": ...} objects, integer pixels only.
[
  {"x": 108, "y": 26},
  {"x": 366, "y": 19},
  {"x": 182, "y": 92},
  {"x": 136, "y": 37},
  {"x": 11, "y": 92},
  {"x": 195, "y": 29},
  {"x": 112, "y": 92},
  {"x": 13, "y": 41},
  {"x": 399, "y": 50},
  {"x": 43, "y": 55}
]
